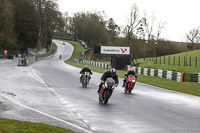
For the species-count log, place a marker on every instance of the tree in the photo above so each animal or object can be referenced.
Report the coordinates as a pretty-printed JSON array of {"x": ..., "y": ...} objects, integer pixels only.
[
  {"x": 148, "y": 28},
  {"x": 93, "y": 29},
  {"x": 161, "y": 25},
  {"x": 90, "y": 27},
  {"x": 193, "y": 36},
  {"x": 60, "y": 26},
  {"x": 26, "y": 24},
  {"x": 7, "y": 22},
  {"x": 113, "y": 30},
  {"x": 46, "y": 10},
  {"x": 133, "y": 23}
]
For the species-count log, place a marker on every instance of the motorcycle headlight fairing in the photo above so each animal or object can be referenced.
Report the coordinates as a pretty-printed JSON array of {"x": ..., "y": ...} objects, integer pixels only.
[
  {"x": 133, "y": 81},
  {"x": 106, "y": 85}
]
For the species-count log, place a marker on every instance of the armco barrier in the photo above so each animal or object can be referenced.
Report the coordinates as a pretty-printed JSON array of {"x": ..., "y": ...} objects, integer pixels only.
[
  {"x": 171, "y": 75},
  {"x": 26, "y": 61}
]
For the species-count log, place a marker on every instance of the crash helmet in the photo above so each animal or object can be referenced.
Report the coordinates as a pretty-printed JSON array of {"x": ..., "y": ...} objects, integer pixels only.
[
  {"x": 86, "y": 66},
  {"x": 131, "y": 69},
  {"x": 113, "y": 71}
]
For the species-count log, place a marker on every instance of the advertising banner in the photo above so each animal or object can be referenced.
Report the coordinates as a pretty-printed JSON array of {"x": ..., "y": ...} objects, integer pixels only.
[{"x": 115, "y": 50}]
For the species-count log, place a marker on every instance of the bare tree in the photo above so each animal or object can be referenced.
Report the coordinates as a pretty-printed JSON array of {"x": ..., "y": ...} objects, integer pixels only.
[
  {"x": 148, "y": 26},
  {"x": 193, "y": 36},
  {"x": 133, "y": 22},
  {"x": 161, "y": 25}
]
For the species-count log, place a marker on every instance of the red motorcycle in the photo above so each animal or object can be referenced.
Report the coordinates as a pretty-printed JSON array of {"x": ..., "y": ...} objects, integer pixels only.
[{"x": 130, "y": 83}]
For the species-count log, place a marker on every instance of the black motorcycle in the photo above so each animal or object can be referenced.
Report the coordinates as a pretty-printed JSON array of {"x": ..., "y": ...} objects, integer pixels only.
[
  {"x": 85, "y": 79},
  {"x": 106, "y": 90}
]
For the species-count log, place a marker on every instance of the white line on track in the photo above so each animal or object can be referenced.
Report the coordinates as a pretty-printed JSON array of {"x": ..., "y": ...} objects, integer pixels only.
[
  {"x": 32, "y": 73},
  {"x": 53, "y": 117}
]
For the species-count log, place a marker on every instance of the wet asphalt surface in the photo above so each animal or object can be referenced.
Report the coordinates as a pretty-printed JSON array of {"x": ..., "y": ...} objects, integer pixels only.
[{"x": 49, "y": 92}]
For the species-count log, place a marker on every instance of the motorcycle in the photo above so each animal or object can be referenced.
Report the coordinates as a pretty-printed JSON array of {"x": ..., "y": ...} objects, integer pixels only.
[
  {"x": 106, "y": 90},
  {"x": 130, "y": 83},
  {"x": 85, "y": 79}
]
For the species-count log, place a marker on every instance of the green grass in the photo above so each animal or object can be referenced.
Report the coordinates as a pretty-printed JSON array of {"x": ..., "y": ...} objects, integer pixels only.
[
  {"x": 169, "y": 65},
  {"x": 13, "y": 126},
  {"x": 78, "y": 48},
  {"x": 184, "y": 87},
  {"x": 176, "y": 67},
  {"x": 54, "y": 48}
]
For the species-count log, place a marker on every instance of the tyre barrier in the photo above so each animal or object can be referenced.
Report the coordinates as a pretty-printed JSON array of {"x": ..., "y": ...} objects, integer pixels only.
[
  {"x": 93, "y": 63},
  {"x": 195, "y": 77},
  {"x": 171, "y": 75}
]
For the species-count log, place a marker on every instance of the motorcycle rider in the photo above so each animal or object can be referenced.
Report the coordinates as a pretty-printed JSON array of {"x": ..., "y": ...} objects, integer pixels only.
[
  {"x": 85, "y": 69},
  {"x": 111, "y": 73},
  {"x": 131, "y": 71}
]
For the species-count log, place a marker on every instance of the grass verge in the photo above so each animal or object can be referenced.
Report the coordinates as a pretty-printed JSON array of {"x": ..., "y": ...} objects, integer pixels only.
[
  {"x": 184, "y": 87},
  {"x": 13, "y": 126},
  {"x": 54, "y": 48},
  {"x": 176, "y": 63}
]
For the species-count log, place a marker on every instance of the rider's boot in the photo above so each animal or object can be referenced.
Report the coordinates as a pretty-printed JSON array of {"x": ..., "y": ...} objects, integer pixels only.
[
  {"x": 123, "y": 84},
  {"x": 99, "y": 91}
]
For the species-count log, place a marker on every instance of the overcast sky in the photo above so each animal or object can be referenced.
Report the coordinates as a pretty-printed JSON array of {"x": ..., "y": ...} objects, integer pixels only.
[{"x": 180, "y": 15}]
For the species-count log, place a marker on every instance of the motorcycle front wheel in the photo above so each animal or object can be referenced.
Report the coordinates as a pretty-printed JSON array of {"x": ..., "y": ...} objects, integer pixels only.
[
  {"x": 130, "y": 89},
  {"x": 106, "y": 96}
]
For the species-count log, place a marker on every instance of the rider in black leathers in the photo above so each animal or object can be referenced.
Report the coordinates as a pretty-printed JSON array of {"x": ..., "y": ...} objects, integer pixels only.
[
  {"x": 111, "y": 73},
  {"x": 85, "y": 69},
  {"x": 131, "y": 71}
]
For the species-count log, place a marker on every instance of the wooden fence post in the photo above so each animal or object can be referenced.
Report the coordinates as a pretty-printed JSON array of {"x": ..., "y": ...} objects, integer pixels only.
[
  {"x": 174, "y": 61},
  {"x": 156, "y": 60},
  {"x": 160, "y": 59},
  {"x": 184, "y": 61},
  {"x": 196, "y": 62},
  {"x": 164, "y": 59}
]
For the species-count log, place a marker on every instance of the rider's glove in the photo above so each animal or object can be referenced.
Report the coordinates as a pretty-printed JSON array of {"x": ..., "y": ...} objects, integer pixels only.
[
  {"x": 116, "y": 85},
  {"x": 102, "y": 82}
]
